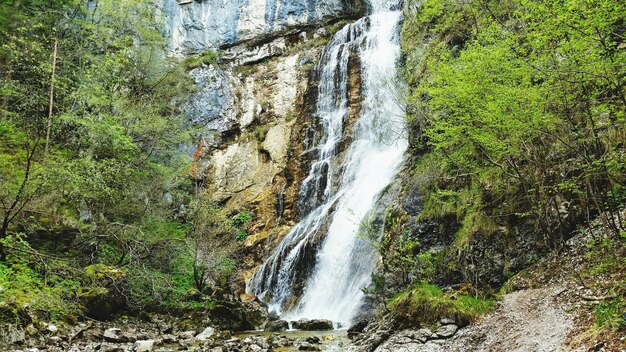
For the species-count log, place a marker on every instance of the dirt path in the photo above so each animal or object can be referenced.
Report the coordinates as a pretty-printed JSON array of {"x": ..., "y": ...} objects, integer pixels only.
[
  {"x": 530, "y": 320},
  {"x": 527, "y": 320}
]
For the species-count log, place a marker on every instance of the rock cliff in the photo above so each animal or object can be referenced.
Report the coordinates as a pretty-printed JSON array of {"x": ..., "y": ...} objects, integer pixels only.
[
  {"x": 194, "y": 26},
  {"x": 252, "y": 63}
]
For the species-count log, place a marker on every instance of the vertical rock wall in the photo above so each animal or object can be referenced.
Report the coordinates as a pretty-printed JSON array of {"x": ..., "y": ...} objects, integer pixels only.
[
  {"x": 194, "y": 26},
  {"x": 255, "y": 99}
]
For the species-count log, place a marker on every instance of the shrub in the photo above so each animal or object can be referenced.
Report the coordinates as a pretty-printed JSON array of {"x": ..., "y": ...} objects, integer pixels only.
[{"x": 426, "y": 304}]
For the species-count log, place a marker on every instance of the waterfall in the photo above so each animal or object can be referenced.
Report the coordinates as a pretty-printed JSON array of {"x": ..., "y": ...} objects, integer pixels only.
[{"x": 341, "y": 189}]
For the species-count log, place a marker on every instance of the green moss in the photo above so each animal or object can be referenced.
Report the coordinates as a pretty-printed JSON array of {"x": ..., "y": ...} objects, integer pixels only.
[{"x": 260, "y": 132}]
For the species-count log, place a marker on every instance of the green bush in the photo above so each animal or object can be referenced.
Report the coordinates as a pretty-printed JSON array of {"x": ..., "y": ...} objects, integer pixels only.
[
  {"x": 611, "y": 314},
  {"x": 24, "y": 292}
]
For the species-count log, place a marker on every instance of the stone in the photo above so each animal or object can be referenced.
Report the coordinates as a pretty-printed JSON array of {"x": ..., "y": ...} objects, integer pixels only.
[
  {"x": 187, "y": 334},
  {"x": 16, "y": 336},
  {"x": 255, "y": 347},
  {"x": 55, "y": 341},
  {"x": 31, "y": 330},
  {"x": 423, "y": 335},
  {"x": 446, "y": 331},
  {"x": 113, "y": 335},
  {"x": 313, "y": 324},
  {"x": 169, "y": 338},
  {"x": 278, "y": 325},
  {"x": 447, "y": 321},
  {"x": 357, "y": 328},
  {"x": 144, "y": 345},
  {"x": 313, "y": 340},
  {"x": 51, "y": 328},
  {"x": 244, "y": 297},
  {"x": 305, "y": 346},
  {"x": 206, "y": 334}
]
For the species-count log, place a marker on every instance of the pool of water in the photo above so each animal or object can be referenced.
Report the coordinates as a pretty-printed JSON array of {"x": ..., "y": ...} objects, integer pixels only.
[{"x": 331, "y": 340}]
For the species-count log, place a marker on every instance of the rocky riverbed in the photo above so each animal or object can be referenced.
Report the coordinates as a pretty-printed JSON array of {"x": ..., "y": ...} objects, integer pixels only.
[{"x": 164, "y": 334}]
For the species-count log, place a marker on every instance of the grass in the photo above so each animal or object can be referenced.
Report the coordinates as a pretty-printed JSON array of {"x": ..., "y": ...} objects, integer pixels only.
[{"x": 425, "y": 304}]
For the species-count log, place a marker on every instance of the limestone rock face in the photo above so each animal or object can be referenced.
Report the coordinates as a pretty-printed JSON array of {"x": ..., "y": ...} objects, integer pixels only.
[
  {"x": 254, "y": 101},
  {"x": 199, "y": 25},
  {"x": 212, "y": 106}
]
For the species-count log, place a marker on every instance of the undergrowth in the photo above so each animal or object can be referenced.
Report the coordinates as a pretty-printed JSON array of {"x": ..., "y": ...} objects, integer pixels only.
[{"x": 426, "y": 304}]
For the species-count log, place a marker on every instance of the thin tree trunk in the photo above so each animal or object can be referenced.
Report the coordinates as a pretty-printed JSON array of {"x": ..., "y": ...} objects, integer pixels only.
[{"x": 51, "y": 105}]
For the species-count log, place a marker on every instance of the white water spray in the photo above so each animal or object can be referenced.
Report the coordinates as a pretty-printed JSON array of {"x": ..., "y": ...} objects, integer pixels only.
[{"x": 344, "y": 262}]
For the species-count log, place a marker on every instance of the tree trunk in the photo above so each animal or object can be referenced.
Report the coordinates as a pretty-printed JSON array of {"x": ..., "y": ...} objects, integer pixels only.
[{"x": 51, "y": 105}]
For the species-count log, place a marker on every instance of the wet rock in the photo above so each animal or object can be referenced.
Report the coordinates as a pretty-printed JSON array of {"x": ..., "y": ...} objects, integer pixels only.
[
  {"x": 278, "y": 325},
  {"x": 373, "y": 335},
  {"x": 313, "y": 340},
  {"x": 272, "y": 316},
  {"x": 305, "y": 346},
  {"x": 144, "y": 346},
  {"x": 357, "y": 328},
  {"x": 446, "y": 331},
  {"x": 313, "y": 324}
]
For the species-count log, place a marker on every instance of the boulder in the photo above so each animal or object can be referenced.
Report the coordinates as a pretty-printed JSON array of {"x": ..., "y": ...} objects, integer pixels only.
[
  {"x": 313, "y": 340},
  {"x": 423, "y": 335},
  {"x": 313, "y": 324},
  {"x": 447, "y": 321},
  {"x": 15, "y": 337},
  {"x": 278, "y": 325},
  {"x": 239, "y": 316},
  {"x": 357, "y": 328},
  {"x": 446, "y": 331},
  {"x": 31, "y": 330},
  {"x": 113, "y": 335},
  {"x": 187, "y": 335},
  {"x": 305, "y": 346},
  {"x": 206, "y": 334},
  {"x": 51, "y": 328},
  {"x": 144, "y": 346}
]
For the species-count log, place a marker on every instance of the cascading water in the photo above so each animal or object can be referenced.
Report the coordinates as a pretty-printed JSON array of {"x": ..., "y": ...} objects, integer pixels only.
[{"x": 336, "y": 208}]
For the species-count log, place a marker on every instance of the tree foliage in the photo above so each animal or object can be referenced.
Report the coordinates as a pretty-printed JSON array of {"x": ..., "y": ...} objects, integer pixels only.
[
  {"x": 519, "y": 107},
  {"x": 112, "y": 191}
]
